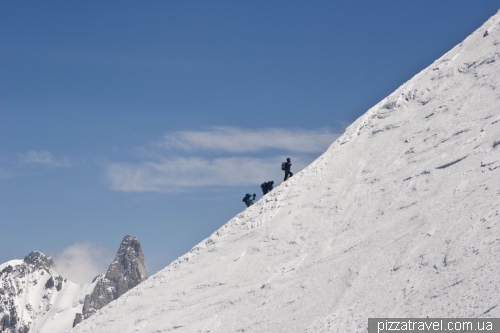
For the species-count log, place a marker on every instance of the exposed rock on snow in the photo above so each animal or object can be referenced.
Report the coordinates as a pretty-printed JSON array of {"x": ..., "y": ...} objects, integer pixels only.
[
  {"x": 78, "y": 319},
  {"x": 399, "y": 218},
  {"x": 125, "y": 272},
  {"x": 38, "y": 260}
]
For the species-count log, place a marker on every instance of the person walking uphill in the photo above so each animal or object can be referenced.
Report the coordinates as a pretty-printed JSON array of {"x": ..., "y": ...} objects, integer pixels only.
[
  {"x": 267, "y": 187},
  {"x": 249, "y": 199},
  {"x": 285, "y": 166}
]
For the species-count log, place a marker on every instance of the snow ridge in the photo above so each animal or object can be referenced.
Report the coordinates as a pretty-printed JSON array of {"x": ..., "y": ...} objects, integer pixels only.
[{"x": 400, "y": 217}]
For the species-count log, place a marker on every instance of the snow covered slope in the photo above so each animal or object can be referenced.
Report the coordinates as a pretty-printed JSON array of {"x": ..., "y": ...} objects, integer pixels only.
[
  {"x": 399, "y": 218},
  {"x": 35, "y": 298}
]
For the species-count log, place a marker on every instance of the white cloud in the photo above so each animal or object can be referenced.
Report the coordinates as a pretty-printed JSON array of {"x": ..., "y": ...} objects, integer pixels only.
[
  {"x": 82, "y": 262},
  {"x": 156, "y": 172},
  {"x": 44, "y": 158},
  {"x": 237, "y": 140},
  {"x": 184, "y": 173}
]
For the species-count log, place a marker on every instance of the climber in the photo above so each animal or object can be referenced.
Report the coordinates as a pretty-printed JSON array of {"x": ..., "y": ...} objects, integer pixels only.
[
  {"x": 285, "y": 166},
  {"x": 266, "y": 187},
  {"x": 249, "y": 199}
]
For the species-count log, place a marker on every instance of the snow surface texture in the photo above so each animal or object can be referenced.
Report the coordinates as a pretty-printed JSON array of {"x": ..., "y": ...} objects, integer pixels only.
[
  {"x": 399, "y": 218},
  {"x": 35, "y": 298}
]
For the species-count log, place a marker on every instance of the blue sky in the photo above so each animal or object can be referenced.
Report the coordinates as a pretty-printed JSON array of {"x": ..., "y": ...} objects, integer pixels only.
[{"x": 155, "y": 118}]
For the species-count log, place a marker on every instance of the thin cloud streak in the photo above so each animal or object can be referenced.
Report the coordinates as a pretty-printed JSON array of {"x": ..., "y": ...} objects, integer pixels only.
[
  {"x": 42, "y": 158},
  {"x": 164, "y": 166},
  {"x": 183, "y": 173},
  {"x": 237, "y": 140}
]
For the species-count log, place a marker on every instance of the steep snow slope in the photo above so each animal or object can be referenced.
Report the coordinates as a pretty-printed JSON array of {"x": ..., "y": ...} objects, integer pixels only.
[
  {"x": 399, "y": 218},
  {"x": 66, "y": 304}
]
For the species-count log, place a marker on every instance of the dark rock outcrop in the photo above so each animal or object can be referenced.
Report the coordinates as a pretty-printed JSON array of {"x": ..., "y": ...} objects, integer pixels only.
[
  {"x": 5, "y": 322},
  {"x": 78, "y": 319},
  {"x": 7, "y": 270},
  {"x": 125, "y": 272},
  {"x": 39, "y": 260},
  {"x": 50, "y": 283}
]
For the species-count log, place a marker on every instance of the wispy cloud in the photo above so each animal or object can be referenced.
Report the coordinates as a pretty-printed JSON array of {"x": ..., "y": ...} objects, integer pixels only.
[
  {"x": 184, "y": 173},
  {"x": 238, "y": 140},
  {"x": 81, "y": 262},
  {"x": 184, "y": 160},
  {"x": 42, "y": 158}
]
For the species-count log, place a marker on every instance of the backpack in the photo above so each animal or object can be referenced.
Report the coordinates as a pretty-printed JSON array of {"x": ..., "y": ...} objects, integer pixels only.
[
  {"x": 283, "y": 165},
  {"x": 247, "y": 196}
]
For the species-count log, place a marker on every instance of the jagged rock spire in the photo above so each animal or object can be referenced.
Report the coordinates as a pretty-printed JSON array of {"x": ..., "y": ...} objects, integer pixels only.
[{"x": 125, "y": 272}]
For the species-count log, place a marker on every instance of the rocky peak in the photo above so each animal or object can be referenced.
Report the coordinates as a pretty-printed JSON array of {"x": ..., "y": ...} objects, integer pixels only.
[
  {"x": 125, "y": 272},
  {"x": 128, "y": 265},
  {"x": 20, "y": 283},
  {"x": 39, "y": 260}
]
